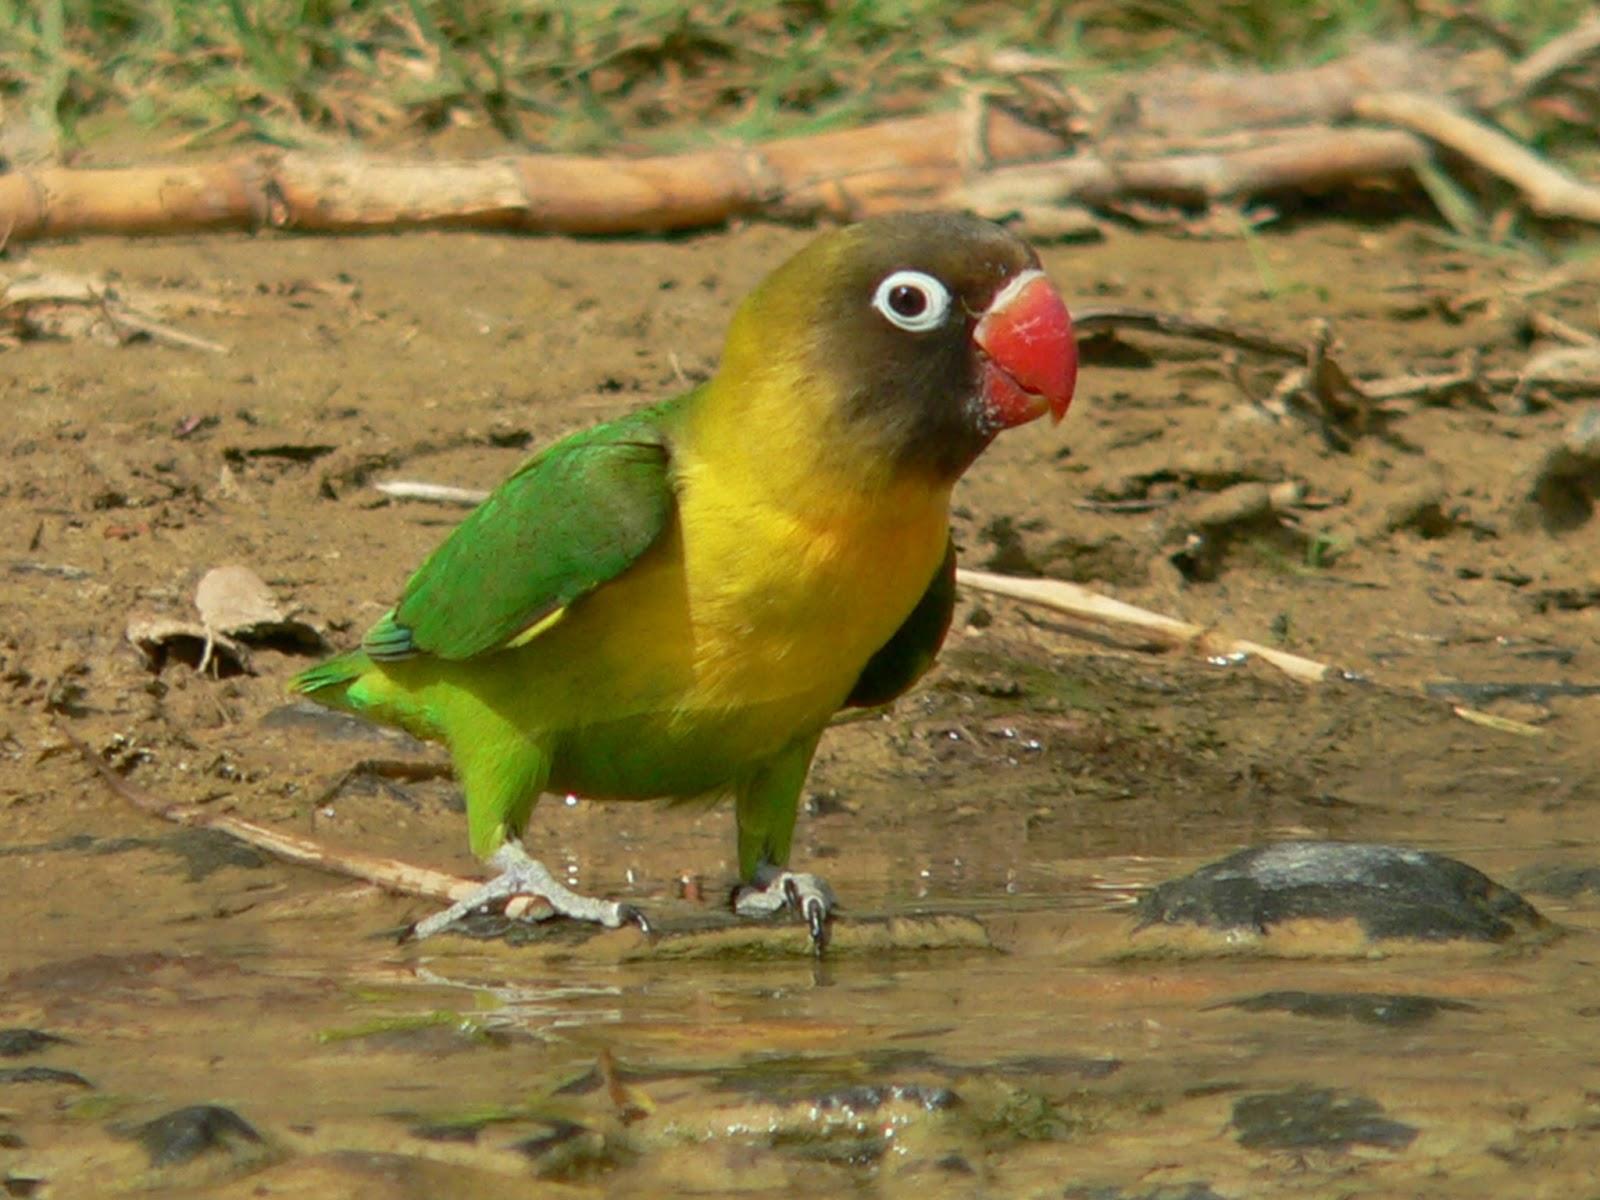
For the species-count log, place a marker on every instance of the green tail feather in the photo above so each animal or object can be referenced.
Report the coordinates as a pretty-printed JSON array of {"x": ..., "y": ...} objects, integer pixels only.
[{"x": 338, "y": 672}]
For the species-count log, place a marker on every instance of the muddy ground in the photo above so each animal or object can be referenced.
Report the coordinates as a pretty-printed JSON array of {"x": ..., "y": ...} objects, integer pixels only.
[{"x": 1034, "y": 783}]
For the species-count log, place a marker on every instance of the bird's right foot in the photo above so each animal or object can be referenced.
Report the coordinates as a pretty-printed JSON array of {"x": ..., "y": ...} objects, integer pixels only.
[
  {"x": 522, "y": 875},
  {"x": 808, "y": 896}
]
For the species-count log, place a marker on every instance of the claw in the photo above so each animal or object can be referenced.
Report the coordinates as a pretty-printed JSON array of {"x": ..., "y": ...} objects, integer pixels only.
[
  {"x": 628, "y": 913},
  {"x": 807, "y": 896},
  {"x": 817, "y": 921}
]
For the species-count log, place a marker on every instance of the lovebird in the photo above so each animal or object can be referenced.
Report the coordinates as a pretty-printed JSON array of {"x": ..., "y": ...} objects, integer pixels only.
[{"x": 675, "y": 603}]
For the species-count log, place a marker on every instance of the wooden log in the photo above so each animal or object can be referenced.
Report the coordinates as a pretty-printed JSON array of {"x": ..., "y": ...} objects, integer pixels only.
[
  {"x": 842, "y": 175},
  {"x": 1298, "y": 162},
  {"x": 61, "y": 202}
]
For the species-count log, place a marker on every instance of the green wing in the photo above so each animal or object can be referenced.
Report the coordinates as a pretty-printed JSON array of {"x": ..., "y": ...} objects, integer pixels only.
[
  {"x": 571, "y": 518},
  {"x": 903, "y": 659}
]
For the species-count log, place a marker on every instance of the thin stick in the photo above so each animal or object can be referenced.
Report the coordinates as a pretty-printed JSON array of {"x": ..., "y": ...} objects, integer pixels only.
[
  {"x": 1556, "y": 56},
  {"x": 432, "y": 493},
  {"x": 1097, "y": 609},
  {"x": 1090, "y": 606},
  {"x": 388, "y": 873},
  {"x": 157, "y": 331},
  {"x": 1092, "y": 320}
]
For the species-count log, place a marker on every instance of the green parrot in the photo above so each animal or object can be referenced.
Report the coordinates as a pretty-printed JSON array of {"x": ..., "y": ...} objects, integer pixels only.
[{"x": 676, "y": 602}]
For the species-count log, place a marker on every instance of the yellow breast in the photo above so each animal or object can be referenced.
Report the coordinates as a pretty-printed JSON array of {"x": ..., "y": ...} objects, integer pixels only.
[{"x": 789, "y": 594}]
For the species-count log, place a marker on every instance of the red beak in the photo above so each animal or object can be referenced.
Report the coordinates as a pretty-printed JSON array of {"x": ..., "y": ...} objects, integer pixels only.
[{"x": 1030, "y": 360}]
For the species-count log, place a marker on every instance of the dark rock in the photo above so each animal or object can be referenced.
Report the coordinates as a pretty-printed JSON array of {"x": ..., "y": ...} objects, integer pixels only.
[
  {"x": 21, "y": 1185},
  {"x": 1370, "y": 1008},
  {"x": 42, "y": 1075},
  {"x": 186, "y": 1133},
  {"x": 1307, "y": 1118},
  {"x": 1390, "y": 891},
  {"x": 15, "y": 1043}
]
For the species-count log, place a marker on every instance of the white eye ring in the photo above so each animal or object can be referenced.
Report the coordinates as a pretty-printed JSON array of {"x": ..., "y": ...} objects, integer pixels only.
[{"x": 900, "y": 292}]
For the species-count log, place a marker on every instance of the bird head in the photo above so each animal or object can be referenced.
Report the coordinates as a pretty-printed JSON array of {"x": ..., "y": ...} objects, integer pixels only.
[{"x": 923, "y": 334}]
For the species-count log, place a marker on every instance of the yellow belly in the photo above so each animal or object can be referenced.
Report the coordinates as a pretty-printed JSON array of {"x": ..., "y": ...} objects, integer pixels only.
[{"x": 751, "y": 617}]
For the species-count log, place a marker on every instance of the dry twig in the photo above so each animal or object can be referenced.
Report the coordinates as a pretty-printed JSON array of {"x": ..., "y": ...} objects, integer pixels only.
[
  {"x": 1555, "y": 56},
  {"x": 1095, "y": 320},
  {"x": 1096, "y": 609}
]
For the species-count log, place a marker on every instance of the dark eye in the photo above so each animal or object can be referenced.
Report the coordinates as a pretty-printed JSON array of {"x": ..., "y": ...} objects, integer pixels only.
[
  {"x": 908, "y": 301},
  {"x": 912, "y": 300}
]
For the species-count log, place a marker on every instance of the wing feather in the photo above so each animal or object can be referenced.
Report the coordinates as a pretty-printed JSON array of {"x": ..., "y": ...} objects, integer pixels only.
[{"x": 571, "y": 518}]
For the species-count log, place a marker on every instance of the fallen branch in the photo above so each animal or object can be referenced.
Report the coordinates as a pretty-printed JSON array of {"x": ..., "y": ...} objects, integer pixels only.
[
  {"x": 1550, "y": 191},
  {"x": 1294, "y": 161}
]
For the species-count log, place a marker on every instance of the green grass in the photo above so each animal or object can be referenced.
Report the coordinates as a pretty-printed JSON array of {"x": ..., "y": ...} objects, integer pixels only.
[{"x": 596, "y": 74}]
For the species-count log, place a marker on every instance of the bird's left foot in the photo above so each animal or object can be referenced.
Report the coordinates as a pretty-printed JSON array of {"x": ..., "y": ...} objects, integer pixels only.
[{"x": 809, "y": 896}]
